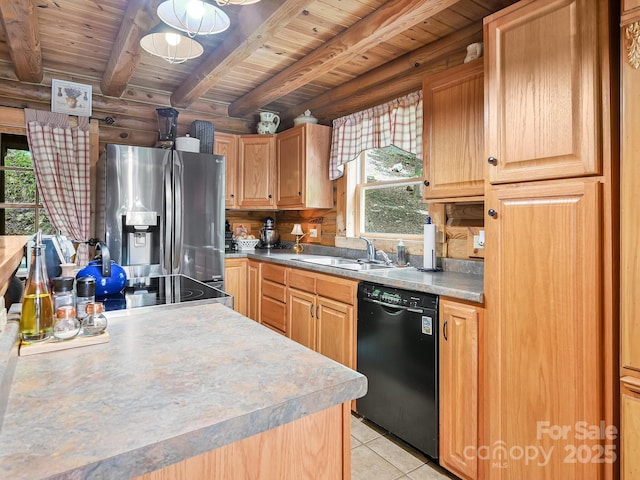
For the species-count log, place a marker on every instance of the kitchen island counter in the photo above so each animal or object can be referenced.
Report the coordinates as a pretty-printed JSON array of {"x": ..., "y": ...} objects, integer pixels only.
[{"x": 171, "y": 384}]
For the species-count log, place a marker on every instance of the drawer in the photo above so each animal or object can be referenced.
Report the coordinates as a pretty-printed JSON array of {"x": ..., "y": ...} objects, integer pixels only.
[
  {"x": 275, "y": 273},
  {"x": 302, "y": 280},
  {"x": 337, "y": 289},
  {"x": 274, "y": 290},
  {"x": 274, "y": 314}
]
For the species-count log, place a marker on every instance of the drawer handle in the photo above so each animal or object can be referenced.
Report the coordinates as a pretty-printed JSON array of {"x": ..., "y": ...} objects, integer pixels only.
[
  {"x": 318, "y": 311},
  {"x": 444, "y": 330},
  {"x": 311, "y": 310}
]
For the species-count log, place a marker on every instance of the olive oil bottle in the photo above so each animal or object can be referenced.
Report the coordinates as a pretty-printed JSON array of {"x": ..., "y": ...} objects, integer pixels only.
[{"x": 36, "y": 319}]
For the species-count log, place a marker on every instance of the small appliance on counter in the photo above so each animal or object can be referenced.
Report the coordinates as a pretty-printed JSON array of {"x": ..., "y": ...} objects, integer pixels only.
[
  {"x": 268, "y": 233},
  {"x": 230, "y": 244}
]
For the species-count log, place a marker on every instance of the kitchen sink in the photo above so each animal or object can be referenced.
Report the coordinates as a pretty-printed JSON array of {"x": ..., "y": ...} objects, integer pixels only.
[{"x": 346, "y": 263}]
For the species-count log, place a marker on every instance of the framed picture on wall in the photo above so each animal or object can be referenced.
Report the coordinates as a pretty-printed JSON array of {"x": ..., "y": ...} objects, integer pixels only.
[{"x": 70, "y": 98}]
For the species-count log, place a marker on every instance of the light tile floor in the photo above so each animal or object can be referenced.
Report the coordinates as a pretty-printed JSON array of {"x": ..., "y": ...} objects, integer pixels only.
[{"x": 377, "y": 455}]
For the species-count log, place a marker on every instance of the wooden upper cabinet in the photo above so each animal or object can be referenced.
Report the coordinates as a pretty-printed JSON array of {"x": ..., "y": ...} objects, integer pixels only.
[
  {"x": 453, "y": 136},
  {"x": 227, "y": 144},
  {"x": 303, "y": 167},
  {"x": 543, "y": 90},
  {"x": 628, "y": 7},
  {"x": 256, "y": 171}
]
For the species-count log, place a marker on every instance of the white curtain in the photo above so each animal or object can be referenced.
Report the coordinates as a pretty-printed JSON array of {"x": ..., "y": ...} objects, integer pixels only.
[
  {"x": 61, "y": 162},
  {"x": 398, "y": 123}
]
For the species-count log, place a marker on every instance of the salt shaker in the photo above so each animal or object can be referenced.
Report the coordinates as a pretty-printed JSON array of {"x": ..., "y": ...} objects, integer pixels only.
[
  {"x": 95, "y": 322},
  {"x": 66, "y": 325},
  {"x": 86, "y": 288}
]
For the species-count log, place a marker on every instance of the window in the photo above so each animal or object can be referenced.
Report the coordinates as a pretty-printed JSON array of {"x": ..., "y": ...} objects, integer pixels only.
[
  {"x": 21, "y": 212},
  {"x": 387, "y": 186}
]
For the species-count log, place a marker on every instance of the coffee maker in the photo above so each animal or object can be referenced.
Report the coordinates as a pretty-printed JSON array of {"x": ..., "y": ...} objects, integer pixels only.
[{"x": 268, "y": 233}]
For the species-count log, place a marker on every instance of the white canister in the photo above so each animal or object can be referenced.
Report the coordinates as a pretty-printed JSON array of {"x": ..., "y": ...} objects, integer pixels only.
[{"x": 188, "y": 144}]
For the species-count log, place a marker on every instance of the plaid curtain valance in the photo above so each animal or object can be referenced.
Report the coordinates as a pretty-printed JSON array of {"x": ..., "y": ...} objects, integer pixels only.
[{"x": 397, "y": 123}]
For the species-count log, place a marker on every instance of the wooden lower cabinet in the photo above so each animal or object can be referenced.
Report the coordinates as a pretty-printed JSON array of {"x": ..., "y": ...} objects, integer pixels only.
[
  {"x": 630, "y": 428},
  {"x": 323, "y": 324},
  {"x": 317, "y": 446},
  {"x": 235, "y": 282},
  {"x": 253, "y": 289},
  {"x": 459, "y": 332},
  {"x": 544, "y": 354},
  {"x": 273, "y": 297}
]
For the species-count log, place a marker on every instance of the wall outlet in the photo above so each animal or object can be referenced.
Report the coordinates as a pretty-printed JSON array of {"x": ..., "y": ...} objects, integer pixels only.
[
  {"x": 313, "y": 233},
  {"x": 478, "y": 240}
]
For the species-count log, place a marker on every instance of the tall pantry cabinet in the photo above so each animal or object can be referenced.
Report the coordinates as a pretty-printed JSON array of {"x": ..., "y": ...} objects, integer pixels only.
[
  {"x": 630, "y": 241},
  {"x": 549, "y": 334}
]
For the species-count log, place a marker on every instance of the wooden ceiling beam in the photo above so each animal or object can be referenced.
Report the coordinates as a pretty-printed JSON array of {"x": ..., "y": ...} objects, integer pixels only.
[
  {"x": 391, "y": 19},
  {"x": 402, "y": 66},
  {"x": 20, "y": 23},
  {"x": 259, "y": 23},
  {"x": 139, "y": 18}
]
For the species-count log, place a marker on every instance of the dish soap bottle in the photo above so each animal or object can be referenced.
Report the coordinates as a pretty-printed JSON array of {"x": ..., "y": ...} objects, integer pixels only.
[
  {"x": 401, "y": 251},
  {"x": 36, "y": 319}
]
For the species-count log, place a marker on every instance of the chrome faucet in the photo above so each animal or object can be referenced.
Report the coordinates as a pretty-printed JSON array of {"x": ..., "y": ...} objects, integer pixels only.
[
  {"x": 385, "y": 257},
  {"x": 371, "y": 250}
]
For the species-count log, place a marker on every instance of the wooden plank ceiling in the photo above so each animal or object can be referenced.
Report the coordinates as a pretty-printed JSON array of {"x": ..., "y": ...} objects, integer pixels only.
[{"x": 334, "y": 57}]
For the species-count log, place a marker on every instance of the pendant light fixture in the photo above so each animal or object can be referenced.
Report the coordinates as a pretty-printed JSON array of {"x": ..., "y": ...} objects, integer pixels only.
[
  {"x": 194, "y": 17},
  {"x": 224, "y": 3},
  {"x": 170, "y": 44}
]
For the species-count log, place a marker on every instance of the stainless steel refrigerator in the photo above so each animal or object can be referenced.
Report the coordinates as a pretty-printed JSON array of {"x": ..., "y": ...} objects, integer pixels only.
[{"x": 162, "y": 211}]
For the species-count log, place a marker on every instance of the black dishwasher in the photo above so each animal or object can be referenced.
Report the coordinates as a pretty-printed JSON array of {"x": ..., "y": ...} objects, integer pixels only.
[{"x": 398, "y": 353}]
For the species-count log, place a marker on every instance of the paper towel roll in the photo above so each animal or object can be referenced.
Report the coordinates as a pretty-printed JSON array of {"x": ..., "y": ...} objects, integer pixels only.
[{"x": 429, "y": 246}]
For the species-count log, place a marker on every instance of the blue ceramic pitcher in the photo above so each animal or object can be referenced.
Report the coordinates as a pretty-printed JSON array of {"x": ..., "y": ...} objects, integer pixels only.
[{"x": 110, "y": 277}]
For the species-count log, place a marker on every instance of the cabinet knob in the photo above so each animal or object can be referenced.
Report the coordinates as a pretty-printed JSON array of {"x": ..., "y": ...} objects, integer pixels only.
[
  {"x": 232, "y": 195},
  {"x": 492, "y": 160},
  {"x": 492, "y": 213},
  {"x": 426, "y": 183},
  {"x": 299, "y": 194},
  {"x": 270, "y": 196}
]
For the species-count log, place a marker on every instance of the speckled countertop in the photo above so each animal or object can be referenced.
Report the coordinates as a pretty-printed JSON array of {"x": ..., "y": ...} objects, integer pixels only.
[
  {"x": 170, "y": 384},
  {"x": 456, "y": 284}
]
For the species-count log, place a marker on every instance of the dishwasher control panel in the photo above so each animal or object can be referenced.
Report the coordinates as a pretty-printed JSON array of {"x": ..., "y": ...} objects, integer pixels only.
[{"x": 396, "y": 296}]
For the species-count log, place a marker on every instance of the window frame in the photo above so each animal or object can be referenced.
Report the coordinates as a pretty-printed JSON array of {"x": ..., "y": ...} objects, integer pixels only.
[
  {"x": 356, "y": 186},
  {"x": 10, "y": 141}
]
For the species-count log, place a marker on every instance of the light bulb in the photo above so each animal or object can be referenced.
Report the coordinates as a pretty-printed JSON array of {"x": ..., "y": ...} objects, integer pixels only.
[
  {"x": 195, "y": 9},
  {"x": 172, "y": 39}
]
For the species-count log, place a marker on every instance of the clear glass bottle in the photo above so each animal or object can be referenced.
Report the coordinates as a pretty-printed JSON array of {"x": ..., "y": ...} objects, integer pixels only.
[
  {"x": 401, "y": 254},
  {"x": 62, "y": 292},
  {"x": 66, "y": 325},
  {"x": 36, "y": 319},
  {"x": 95, "y": 322},
  {"x": 85, "y": 291}
]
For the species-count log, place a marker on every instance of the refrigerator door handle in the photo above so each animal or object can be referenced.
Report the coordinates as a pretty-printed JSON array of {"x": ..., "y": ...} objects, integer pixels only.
[
  {"x": 178, "y": 213},
  {"x": 168, "y": 216}
]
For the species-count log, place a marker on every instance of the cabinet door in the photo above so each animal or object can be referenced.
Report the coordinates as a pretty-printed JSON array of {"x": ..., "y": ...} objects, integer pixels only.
[
  {"x": 630, "y": 428},
  {"x": 335, "y": 331},
  {"x": 254, "y": 291},
  {"x": 291, "y": 167},
  {"x": 235, "y": 282},
  {"x": 543, "y": 99},
  {"x": 629, "y": 213},
  {"x": 453, "y": 135},
  {"x": 301, "y": 308},
  {"x": 256, "y": 171},
  {"x": 227, "y": 145},
  {"x": 459, "y": 388},
  {"x": 544, "y": 341}
]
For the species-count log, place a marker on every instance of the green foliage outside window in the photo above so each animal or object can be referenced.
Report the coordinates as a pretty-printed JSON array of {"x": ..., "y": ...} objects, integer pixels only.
[{"x": 20, "y": 190}]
